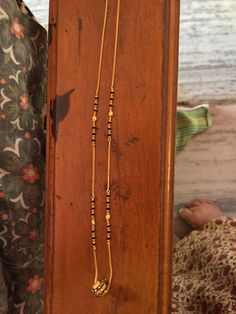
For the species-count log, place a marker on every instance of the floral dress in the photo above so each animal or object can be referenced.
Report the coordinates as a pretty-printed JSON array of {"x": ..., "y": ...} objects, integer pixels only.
[
  {"x": 204, "y": 270},
  {"x": 23, "y": 56}
]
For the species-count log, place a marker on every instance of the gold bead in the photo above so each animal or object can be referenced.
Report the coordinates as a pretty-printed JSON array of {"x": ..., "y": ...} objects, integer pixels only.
[
  {"x": 94, "y": 119},
  {"x": 100, "y": 288},
  {"x": 110, "y": 113}
]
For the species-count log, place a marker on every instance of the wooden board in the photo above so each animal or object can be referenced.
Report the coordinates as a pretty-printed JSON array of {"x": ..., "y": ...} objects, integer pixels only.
[{"x": 142, "y": 156}]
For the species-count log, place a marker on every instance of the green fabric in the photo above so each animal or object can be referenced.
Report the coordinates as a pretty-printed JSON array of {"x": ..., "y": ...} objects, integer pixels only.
[
  {"x": 23, "y": 61},
  {"x": 189, "y": 123}
]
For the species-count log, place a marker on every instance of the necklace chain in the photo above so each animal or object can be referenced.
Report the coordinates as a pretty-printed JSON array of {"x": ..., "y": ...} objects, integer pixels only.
[{"x": 101, "y": 288}]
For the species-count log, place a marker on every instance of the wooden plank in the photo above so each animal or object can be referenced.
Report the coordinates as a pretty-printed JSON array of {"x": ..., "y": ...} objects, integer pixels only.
[
  {"x": 141, "y": 182},
  {"x": 169, "y": 126}
]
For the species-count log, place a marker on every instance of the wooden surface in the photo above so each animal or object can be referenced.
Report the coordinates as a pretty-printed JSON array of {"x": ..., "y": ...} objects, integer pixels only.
[
  {"x": 141, "y": 163},
  {"x": 207, "y": 50},
  {"x": 168, "y": 141},
  {"x": 207, "y": 166}
]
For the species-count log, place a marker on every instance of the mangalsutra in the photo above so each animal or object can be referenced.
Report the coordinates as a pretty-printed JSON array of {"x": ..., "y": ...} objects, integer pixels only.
[{"x": 102, "y": 287}]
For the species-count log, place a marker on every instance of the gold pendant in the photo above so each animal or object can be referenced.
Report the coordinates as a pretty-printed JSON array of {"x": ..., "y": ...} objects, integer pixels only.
[{"x": 100, "y": 288}]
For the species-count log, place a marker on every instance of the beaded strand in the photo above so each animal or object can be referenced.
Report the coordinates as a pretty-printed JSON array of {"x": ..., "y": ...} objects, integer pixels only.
[{"x": 101, "y": 288}]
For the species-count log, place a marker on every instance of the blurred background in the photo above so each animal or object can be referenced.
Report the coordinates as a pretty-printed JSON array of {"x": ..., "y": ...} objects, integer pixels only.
[
  {"x": 207, "y": 60},
  {"x": 40, "y": 9},
  {"x": 206, "y": 167}
]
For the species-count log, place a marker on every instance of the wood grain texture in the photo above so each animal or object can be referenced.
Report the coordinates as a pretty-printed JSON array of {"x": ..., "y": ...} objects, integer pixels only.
[{"x": 142, "y": 166}]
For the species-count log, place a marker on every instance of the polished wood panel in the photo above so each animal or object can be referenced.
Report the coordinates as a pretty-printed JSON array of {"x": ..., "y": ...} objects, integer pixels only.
[{"x": 142, "y": 159}]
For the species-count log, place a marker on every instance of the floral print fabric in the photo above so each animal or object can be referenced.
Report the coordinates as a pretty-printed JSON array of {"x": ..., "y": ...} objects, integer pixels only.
[
  {"x": 23, "y": 55},
  {"x": 3, "y": 293},
  {"x": 204, "y": 270}
]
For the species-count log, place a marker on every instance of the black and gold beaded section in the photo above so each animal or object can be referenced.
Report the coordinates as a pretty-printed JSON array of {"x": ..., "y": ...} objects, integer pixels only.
[
  {"x": 93, "y": 199},
  {"x": 109, "y": 139},
  {"x": 110, "y": 115},
  {"x": 93, "y": 221},
  {"x": 94, "y": 119},
  {"x": 100, "y": 288},
  {"x": 108, "y": 214}
]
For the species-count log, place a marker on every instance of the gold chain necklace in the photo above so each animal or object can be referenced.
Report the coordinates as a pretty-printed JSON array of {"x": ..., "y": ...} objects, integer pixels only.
[{"x": 101, "y": 288}]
